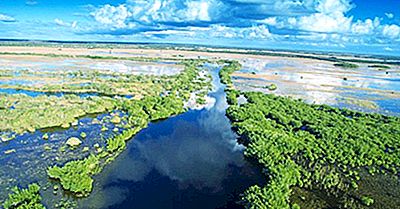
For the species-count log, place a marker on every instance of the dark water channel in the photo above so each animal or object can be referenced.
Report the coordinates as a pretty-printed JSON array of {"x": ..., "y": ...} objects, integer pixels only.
[{"x": 190, "y": 161}]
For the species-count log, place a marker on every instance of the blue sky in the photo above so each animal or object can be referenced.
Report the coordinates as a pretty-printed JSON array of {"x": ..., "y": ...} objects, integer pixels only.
[{"x": 361, "y": 26}]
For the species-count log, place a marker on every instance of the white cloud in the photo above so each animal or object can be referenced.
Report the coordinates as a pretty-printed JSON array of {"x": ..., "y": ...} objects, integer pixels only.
[
  {"x": 329, "y": 17},
  {"x": 391, "y": 31},
  {"x": 363, "y": 28},
  {"x": 170, "y": 32},
  {"x": 198, "y": 11},
  {"x": 389, "y": 15},
  {"x": 74, "y": 24},
  {"x": 155, "y": 11},
  {"x": 332, "y": 7},
  {"x": 388, "y": 49},
  {"x": 312, "y": 21},
  {"x": 6, "y": 18},
  {"x": 254, "y": 32},
  {"x": 320, "y": 22},
  {"x": 61, "y": 23},
  {"x": 111, "y": 15},
  {"x": 270, "y": 21}
]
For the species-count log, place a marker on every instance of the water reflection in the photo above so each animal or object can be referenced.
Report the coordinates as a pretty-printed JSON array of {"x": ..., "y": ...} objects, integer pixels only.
[
  {"x": 33, "y": 154},
  {"x": 188, "y": 161},
  {"x": 320, "y": 82},
  {"x": 48, "y": 65}
]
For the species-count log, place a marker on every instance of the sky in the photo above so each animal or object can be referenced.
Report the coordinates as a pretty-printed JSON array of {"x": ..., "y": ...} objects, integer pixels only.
[{"x": 358, "y": 26}]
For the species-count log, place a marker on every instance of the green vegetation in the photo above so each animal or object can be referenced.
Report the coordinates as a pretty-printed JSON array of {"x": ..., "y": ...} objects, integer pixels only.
[
  {"x": 227, "y": 70},
  {"x": 272, "y": 87},
  {"x": 367, "y": 201},
  {"x": 360, "y": 102},
  {"x": 76, "y": 176},
  {"x": 346, "y": 65},
  {"x": 28, "y": 198},
  {"x": 385, "y": 67},
  {"x": 231, "y": 96},
  {"x": 30, "y": 114},
  {"x": 313, "y": 147}
]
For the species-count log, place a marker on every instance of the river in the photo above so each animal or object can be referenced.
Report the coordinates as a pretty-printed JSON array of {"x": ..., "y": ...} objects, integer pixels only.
[{"x": 189, "y": 161}]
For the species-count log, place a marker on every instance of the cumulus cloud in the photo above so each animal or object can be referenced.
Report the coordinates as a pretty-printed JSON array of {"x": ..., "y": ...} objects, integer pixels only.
[
  {"x": 152, "y": 12},
  {"x": 6, "y": 18},
  {"x": 391, "y": 31},
  {"x": 294, "y": 20},
  {"x": 254, "y": 32},
  {"x": 365, "y": 27}
]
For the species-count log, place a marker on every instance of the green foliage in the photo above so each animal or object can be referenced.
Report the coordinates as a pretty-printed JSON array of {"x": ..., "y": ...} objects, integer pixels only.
[
  {"x": 346, "y": 65},
  {"x": 227, "y": 70},
  {"x": 162, "y": 107},
  {"x": 367, "y": 201},
  {"x": 312, "y": 146},
  {"x": 47, "y": 111},
  {"x": 75, "y": 176},
  {"x": 272, "y": 87},
  {"x": 231, "y": 96},
  {"x": 28, "y": 198}
]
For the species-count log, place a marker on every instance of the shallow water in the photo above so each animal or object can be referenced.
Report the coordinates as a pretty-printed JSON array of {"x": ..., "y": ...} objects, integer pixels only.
[
  {"x": 40, "y": 93},
  {"x": 363, "y": 89},
  {"x": 188, "y": 161},
  {"x": 33, "y": 154},
  {"x": 45, "y": 64}
]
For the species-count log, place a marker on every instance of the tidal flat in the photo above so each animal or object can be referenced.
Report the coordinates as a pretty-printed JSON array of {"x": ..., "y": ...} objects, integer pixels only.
[{"x": 365, "y": 87}]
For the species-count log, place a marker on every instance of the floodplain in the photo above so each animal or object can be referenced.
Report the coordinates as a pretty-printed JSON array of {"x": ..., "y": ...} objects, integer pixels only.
[{"x": 107, "y": 126}]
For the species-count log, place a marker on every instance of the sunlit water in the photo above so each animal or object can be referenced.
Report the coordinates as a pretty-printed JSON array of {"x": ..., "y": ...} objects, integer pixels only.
[{"x": 48, "y": 65}]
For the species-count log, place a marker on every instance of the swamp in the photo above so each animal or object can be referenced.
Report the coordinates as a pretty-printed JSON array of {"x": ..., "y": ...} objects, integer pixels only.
[{"x": 114, "y": 126}]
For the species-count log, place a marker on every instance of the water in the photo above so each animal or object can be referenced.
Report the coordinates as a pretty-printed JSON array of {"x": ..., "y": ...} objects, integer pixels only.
[
  {"x": 45, "y": 64},
  {"x": 33, "y": 154},
  {"x": 57, "y": 94},
  {"x": 323, "y": 83},
  {"x": 40, "y": 93},
  {"x": 187, "y": 161}
]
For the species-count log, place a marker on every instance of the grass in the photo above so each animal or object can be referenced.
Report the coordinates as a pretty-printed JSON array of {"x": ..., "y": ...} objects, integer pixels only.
[
  {"x": 33, "y": 113},
  {"x": 28, "y": 198},
  {"x": 346, "y": 65}
]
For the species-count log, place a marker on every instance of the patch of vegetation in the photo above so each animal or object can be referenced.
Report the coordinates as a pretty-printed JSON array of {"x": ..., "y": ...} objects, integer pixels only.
[
  {"x": 76, "y": 176},
  {"x": 231, "y": 96},
  {"x": 346, "y": 65},
  {"x": 271, "y": 87},
  {"x": 30, "y": 114},
  {"x": 28, "y": 198},
  {"x": 361, "y": 103},
  {"x": 385, "y": 67},
  {"x": 314, "y": 147},
  {"x": 227, "y": 70}
]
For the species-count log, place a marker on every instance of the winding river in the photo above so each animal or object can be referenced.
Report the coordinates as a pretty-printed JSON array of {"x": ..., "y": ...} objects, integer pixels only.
[{"x": 188, "y": 161}]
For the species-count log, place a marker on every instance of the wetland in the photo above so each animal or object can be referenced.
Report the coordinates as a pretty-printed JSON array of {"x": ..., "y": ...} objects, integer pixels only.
[{"x": 151, "y": 128}]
